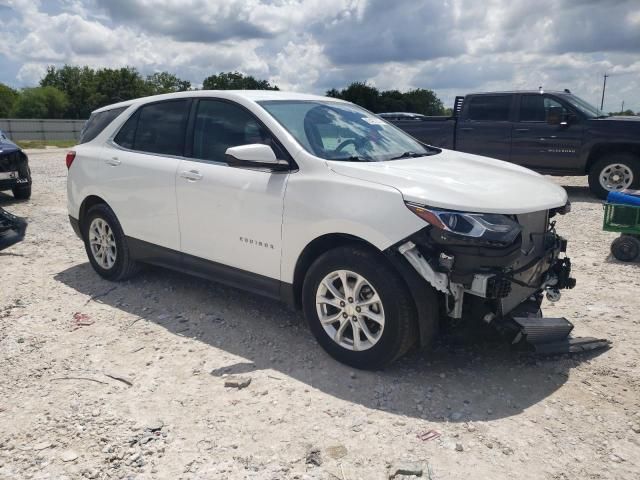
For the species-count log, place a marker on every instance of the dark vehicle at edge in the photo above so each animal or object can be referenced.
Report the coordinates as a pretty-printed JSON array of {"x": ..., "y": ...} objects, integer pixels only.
[
  {"x": 12, "y": 229},
  {"x": 14, "y": 169},
  {"x": 555, "y": 133}
]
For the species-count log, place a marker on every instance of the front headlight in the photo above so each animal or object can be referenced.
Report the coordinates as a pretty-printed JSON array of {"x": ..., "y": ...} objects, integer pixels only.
[{"x": 489, "y": 227}]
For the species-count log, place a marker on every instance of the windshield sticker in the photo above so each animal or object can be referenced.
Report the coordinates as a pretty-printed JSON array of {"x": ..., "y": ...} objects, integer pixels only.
[{"x": 374, "y": 121}]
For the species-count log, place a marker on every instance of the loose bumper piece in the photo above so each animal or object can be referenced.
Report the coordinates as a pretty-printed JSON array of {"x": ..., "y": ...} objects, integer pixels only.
[{"x": 12, "y": 229}]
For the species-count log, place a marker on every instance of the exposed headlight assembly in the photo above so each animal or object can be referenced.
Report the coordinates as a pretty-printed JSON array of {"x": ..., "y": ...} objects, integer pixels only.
[{"x": 485, "y": 227}]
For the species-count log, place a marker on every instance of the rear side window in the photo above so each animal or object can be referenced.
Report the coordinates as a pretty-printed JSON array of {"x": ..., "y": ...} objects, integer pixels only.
[
  {"x": 98, "y": 122},
  {"x": 489, "y": 108},
  {"x": 156, "y": 128}
]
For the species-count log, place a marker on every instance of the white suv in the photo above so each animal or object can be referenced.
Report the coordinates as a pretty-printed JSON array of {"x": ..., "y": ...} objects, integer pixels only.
[{"x": 322, "y": 204}]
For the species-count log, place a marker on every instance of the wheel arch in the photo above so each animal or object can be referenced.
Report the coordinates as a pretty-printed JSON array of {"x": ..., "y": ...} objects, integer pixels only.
[
  {"x": 414, "y": 283},
  {"x": 600, "y": 150},
  {"x": 86, "y": 204}
]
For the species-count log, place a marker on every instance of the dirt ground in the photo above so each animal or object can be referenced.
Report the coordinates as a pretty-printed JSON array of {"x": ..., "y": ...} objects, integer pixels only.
[{"x": 104, "y": 380}]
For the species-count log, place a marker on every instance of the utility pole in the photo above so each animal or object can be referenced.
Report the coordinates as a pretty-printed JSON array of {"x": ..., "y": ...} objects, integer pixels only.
[
  {"x": 622, "y": 107},
  {"x": 604, "y": 87}
]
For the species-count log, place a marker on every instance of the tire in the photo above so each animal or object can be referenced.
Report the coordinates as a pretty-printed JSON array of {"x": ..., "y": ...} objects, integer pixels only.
[
  {"x": 626, "y": 248},
  {"x": 119, "y": 264},
  {"x": 22, "y": 192},
  {"x": 381, "y": 345},
  {"x": 626, "y": 165}
]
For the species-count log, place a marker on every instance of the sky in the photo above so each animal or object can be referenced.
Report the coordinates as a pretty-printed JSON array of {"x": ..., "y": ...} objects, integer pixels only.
[{"x": 450, "y": 46}]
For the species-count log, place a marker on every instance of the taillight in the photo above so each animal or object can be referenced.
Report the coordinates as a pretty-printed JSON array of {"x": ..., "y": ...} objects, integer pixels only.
[{"x": 71, "y": 156}]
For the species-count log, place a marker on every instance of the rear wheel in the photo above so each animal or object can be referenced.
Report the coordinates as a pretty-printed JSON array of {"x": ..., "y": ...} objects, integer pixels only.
[
  {"x": 626, "y": 248},
  {"x": 359, "y": 308},
  {"x": 614, "y": 173},
  {"x": 106, "y": 244}
]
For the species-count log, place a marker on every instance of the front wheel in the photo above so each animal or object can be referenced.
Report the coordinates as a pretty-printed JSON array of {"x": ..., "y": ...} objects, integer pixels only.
[
  {"x": 359, "y": 308},
  {"x": 614, "y": 173},
  {"x": 23, "y": 192},
  {"x": 106, "y": 244}
]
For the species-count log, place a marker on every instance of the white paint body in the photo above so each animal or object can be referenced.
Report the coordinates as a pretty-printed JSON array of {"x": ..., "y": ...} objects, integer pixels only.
[{"x": 220, "y": 215}]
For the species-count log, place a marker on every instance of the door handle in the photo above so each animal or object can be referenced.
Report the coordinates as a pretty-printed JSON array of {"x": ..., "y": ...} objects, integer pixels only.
[
  {"x": 113, "y": 161},
  {"x": 522, "y": 129},
  {"x": 191, "y": 175}
]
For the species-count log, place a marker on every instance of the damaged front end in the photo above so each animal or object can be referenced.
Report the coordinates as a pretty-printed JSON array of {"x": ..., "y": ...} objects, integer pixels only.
[
  {"x": 496, "y": 269},
  {"x": 12, "y": 229}
]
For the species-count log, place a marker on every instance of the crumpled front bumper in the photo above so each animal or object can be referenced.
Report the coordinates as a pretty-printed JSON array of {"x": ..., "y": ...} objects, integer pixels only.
[{"x": 12, "y": 229}]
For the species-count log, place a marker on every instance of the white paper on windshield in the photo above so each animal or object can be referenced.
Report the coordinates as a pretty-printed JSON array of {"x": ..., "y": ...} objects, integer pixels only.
[{"x": 374, "y": 121}]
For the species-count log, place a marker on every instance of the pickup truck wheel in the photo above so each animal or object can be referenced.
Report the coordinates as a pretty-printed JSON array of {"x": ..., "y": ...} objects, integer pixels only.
[
  {"x": 22, "y": 192},
  {"x": 359, "y": 308},
  {"x": 614, "y": 172},
  {"x": 106, "y": 244}
]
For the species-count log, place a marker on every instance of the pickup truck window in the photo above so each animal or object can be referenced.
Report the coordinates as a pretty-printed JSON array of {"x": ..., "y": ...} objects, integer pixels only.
[
  {"x": 338, "y": 131},
  {"x": 534, "y": 108},
  {"x": 492, "y": 108},
  {"x": 585, "y": 107}
]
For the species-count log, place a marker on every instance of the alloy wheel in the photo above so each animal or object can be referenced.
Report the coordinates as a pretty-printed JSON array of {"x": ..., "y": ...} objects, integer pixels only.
[
  {"x": 103, "y": 243},
  {"x": 350, "y": 310}
]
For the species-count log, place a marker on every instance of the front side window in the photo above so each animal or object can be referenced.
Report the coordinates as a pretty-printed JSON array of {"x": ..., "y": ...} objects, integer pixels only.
[
  {"x": 535, "y": 108},
  {"x": 156, "y": 128},
  {"x": 493, "y": 108},
  {"x": 220, "y": 125},
  {"x": 342, "y": 131}
]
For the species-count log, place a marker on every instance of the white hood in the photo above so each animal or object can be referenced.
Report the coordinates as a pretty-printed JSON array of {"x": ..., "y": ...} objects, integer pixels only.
[{"x": 461, "y": 181}]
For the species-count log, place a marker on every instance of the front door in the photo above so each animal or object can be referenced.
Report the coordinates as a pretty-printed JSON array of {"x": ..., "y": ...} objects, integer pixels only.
[
  {"x": 484, "y": 127},
  {"x": 542, "y": 146},
  {"x": 231, "y": 216}
]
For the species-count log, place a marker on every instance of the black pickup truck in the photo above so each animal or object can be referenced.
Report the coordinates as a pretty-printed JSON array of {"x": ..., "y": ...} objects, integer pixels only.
[{"x": 555, "y": 133}]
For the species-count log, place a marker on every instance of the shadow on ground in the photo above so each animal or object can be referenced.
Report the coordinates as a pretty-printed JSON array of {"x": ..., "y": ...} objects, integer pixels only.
[
  {"x": 452, "y": 383},
  {"x": 581, "y": 194}
]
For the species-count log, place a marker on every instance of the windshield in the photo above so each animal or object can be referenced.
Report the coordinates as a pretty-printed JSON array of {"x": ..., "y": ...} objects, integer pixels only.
[
  {"x": 585, "y": 107},
  {"x": 344, "y": 132}
]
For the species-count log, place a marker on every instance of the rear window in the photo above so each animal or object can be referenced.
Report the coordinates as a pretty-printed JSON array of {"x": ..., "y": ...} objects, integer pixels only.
[
  {"x": 489, "y": 108},
  {"x": 98, "y": 122},
  {"x": 156, "y": 128}
]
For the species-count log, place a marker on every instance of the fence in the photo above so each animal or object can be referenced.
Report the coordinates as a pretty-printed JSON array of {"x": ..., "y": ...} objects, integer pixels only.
[{"x": 41, "y": 129}]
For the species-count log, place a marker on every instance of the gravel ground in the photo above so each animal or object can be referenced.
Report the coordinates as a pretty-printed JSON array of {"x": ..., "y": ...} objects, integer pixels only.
[{"x": 103, "y": 380}]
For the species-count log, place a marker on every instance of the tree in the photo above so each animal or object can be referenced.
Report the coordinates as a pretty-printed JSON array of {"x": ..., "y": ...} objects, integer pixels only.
[
  {"x": 41, "y": 102},
  {"x": 418, "y": 100},
  {"x": 165, "y": 82},
  {"x": 78, "y": 84},
  {"x": 8, "y": 98},
  {"x": 626, "y": 113},
  {"x": 236, "y": 81},
  {"x": 117, "y": 85}
]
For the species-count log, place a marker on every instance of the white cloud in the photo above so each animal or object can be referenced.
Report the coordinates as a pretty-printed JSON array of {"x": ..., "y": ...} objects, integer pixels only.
[{"x": 452, "y": 46}]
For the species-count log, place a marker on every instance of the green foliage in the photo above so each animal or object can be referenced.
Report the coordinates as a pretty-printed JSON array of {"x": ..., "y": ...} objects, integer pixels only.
[
  {"x": 626, "y": 113},
  {"x": 418, "y": 100},
  {"x": 8, "y": 98},
  {"x": 41, "y": 102},
  {"x": 165, "y": 82},
  {"x": 78, "y": 84},
  {"x": 236, "y": 81}
]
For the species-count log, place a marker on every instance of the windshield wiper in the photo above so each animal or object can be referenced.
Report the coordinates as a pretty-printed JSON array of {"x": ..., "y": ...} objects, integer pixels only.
[
  {"x": 352, "y": 158},
  {"x": 409, "y": 155}
]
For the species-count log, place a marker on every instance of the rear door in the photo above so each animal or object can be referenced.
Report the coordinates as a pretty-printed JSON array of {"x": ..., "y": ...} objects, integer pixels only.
[
  {"x": 485, "y": 127},
  {"x": 229, "y": 215},
  {"x": 139, "y": 171},
  {"x": 537, "y": 144}
]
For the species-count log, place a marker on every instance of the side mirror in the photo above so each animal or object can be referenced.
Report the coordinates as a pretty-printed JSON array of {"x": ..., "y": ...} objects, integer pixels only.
[{"x": 255, "y": 155}]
